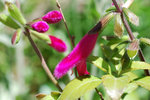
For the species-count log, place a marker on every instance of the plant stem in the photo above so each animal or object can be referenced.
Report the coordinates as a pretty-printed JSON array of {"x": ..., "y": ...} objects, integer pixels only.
[
  {"x": 141, "y": 56},
  {"x": 64, "y": 20},
  {"x": 99, "y": 93},
  {"x": 66, "y": 26},
  {"x": 44, "y": 65}
]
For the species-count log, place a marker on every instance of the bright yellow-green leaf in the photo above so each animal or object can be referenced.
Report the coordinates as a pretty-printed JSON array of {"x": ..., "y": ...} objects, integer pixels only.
[
  {"x": 130, "y": 87},
  {"x": 135, "y": 65},
  {"x": 79, "y": 86},
  {"x": 130, "y": 75},
  {"x": 145, "y": 40},
  {"x": 144, "y": 82},
  {"x": 100, "y": 63},
  {"x": 115, "y": 86}
]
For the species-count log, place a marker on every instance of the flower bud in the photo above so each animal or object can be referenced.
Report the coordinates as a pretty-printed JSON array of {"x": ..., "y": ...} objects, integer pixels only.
[
  {"x": 131, "y": 16},
  {"x": 15, "y": 13},
  {"x": 52, "y": 17},
  {"x": 118, "y": 27},
  {"x": 133, "y": 48},
  {"x": 16, "y": 37},
  {"x": 40, "y": 26},
  {"x": 8, "y": 21},
  {"x": 40, "y": 36},
  {"x": 57, "y": 44}
]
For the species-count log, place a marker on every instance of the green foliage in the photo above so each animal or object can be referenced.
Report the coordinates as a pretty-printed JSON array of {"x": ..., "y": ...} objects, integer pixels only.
[
  {"x": 79, "y": 86},
  {"x": 144, "y": 82}
]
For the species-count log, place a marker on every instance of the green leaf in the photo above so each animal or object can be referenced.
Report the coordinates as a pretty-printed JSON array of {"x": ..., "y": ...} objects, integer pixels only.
[
  {"x": 115, "y": 86},
  {"x": 145, "y": 40},
  {"x": 100, "y": 63},
  {"x": 131, "y": 16},
  {"x": 133, "y": 48},
  {"x": 136, "y": 65},
  {"x": 8, "y": 21},
  {"x": 125, "y": 62},
  {"x": 79, "y": 86},
  {"x": 15, "y": 13},
  {"x": 118, "y": 27},
  {"x": 130, "y": 75},
  {"x": 144, "y": 82},
  {"x": 130, "y": 87}
]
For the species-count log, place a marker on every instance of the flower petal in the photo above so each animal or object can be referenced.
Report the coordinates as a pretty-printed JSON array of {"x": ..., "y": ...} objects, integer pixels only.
[
  {"x": 82, "y": 50},
  {"x": 57, "y": 44},
  {"x": 82, "y": 68}
]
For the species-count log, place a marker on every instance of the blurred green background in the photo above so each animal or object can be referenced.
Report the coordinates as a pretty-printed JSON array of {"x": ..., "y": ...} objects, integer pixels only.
[{"x": 21, "y": 74}]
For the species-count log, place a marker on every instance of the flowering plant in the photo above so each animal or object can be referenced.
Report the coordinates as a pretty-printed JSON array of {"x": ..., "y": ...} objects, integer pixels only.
[{"x": 117, "y": 63}]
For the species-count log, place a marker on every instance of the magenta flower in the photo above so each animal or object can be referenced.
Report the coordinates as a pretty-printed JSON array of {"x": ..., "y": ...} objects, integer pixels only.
[
  {"x": 57, "y": 44},
  {"x": 77, "y": 57},
  {"x": 53, "y": 17},
  {"x": 40, "y": 26}
]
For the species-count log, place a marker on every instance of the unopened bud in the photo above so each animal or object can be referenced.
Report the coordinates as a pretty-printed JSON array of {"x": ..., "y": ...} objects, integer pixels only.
[
  {"x": 8, "y": 21},
  {"x": 133, "y": 48},
  {"x": 15, "y": 13},
  {"x": 41, "y": 36},
  {"x": 16, "y": 37},
  {"x": 52, "y": 17},
  {"x": 118, "y": 28},
  {"x": 131, "y": 16},
  {"x": 40, "y": 26}
]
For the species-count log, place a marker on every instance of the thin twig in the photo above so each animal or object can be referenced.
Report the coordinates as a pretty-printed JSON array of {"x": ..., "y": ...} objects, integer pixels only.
[
  {"x": 64, "y": 20},
  {"x": 99, "y": 93},
  {"x": 66, "y": 26},
  {"x": 141, "y": 56},
  {"x": 44, "y": 65}
]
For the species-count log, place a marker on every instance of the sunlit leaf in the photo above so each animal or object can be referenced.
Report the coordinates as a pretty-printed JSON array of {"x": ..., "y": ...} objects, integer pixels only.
[
  {"x": 115, "y": 86},
  {"x": 145, "y": 40},
  {"x": 144, "y": 82},
  {"x": 130, "y": 75},
  {"x": 100, "y": 63},
  {"x": 130, "y": 87},
  {"x": 79, "y": 86},
  {"x": 136, "y": 65}
]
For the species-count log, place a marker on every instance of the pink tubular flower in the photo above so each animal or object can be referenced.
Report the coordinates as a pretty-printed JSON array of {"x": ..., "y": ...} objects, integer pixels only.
[
  {"x": 77, "y": 57},
  {"x": 40, "y": 26},
  {"x": 57, "y": 44},
  {"x": 52, "y": 17}
]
